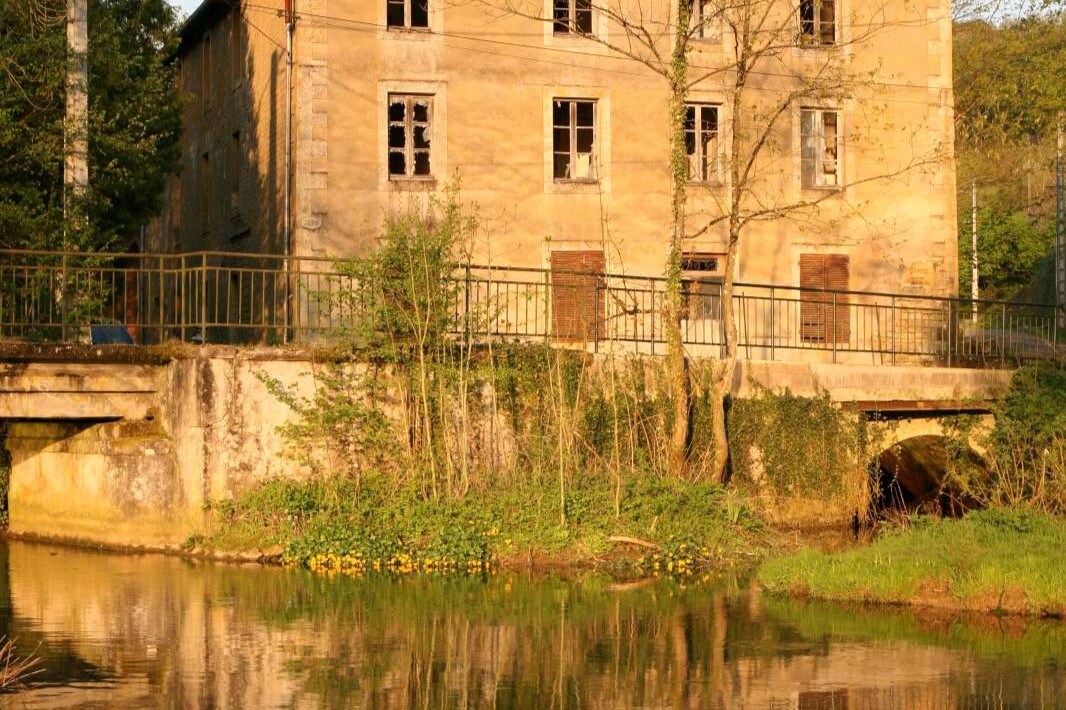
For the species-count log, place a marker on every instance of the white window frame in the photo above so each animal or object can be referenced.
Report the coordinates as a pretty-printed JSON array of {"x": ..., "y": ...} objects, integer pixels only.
[
  {"x": 407, "y": 13},
  {"x": 570, "y": 28},
  {"x": 818, "y": 22},
  {"x": 573, "y": 128},
  {"x": 710, "y": 171},
  {"x": 814, "y": 150},
  {"x": 703, "y": 31},
  {"x": 409, "y": 125}
]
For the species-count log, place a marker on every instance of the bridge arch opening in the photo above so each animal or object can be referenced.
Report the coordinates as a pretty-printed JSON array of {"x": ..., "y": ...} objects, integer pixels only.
[{"x": 911, "y": 476}]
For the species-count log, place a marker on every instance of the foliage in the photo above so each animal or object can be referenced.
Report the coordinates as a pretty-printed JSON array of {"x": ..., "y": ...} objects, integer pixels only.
[
  {"x": 1010, "y": 245},
  {"x": 1024, "y": 464},
  {"x": 341, "y": 428},
  {"x": 1008, "y": 78},
  {"x": 5, "y": 474},
  {"x": 1001, "y": 559},
  {"x": 795, "y": 445},
  {"x": 1008, "y": 90},
  {"x": 14, "y": 668},
  {"x": 380, "y": 527},
  {"x": 133, "y": 125}
]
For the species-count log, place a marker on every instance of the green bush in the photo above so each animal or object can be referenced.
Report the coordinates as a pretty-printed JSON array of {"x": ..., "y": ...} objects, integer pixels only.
[
  {"x": 338, "y": 527},
  {"x": 795, "y": 444},
  {"x": 998, "y": 559},
  {"x": 1024, "y": 464}
]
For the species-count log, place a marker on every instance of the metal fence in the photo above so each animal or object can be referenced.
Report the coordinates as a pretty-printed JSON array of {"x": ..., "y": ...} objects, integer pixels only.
[{"x": 230, "y": 297}]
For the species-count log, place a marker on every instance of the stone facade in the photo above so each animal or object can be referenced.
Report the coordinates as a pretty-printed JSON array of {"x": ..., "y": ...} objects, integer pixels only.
[{"x": 494, "y": 81}]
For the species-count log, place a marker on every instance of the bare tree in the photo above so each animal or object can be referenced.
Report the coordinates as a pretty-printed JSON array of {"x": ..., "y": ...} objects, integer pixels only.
[{"x": 763, "y": 85}]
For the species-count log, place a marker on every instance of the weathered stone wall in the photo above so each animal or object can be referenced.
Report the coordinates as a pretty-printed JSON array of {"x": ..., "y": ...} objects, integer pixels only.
[
  {"x": 150, "y": 482},
  {"x": 212, "y": 431}
]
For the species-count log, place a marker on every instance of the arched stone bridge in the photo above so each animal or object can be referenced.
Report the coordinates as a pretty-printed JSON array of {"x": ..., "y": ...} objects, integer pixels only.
[{"x": 130, "y": 446}]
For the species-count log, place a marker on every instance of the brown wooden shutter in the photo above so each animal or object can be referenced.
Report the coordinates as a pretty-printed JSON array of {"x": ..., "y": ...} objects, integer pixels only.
[
  {"x": 837, "y": 278},
  {"x": 578, "y": 295},
  {"x": 824, "y": 315}
]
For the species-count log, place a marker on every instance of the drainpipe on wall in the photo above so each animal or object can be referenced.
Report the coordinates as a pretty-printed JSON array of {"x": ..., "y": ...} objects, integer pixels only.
[{"x": 290, "y": 32}]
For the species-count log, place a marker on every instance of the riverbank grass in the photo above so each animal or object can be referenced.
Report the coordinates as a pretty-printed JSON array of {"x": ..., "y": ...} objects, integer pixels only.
[
  {"x": 659, "y": 526},
  {"x": 999, "y": 560}
]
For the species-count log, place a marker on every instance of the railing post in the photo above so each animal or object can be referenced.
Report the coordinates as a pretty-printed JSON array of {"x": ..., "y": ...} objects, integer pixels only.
[
  {"x": 834, "y": 327},
  {"x": 1003, "y": 324},
  {"x": 654, "y": 316},
  {"x": 466, "y": 302},
  {"x": 892, "y": 308},
  {"x": 950, "y": 328},
  {"x": 773, "y": 338},
  {"x": 63, "y": 298},
  {"x": 160, "y": 312},
  {"x": 1054, "y": 335},
  {"x": 547, "y": 307},
  {"x": 203, "y": 299},
  {"x": 597, "y": 315}
]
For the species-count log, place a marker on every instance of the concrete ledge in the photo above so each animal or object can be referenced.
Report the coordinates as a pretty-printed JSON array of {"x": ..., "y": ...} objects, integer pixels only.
[
  {"x": 872, "y": 383},
  {"x": 76, "y": 405}
]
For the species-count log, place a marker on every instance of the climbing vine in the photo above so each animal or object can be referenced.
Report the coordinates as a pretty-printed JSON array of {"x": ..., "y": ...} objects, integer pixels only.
[{"x": 794, "y": 445}]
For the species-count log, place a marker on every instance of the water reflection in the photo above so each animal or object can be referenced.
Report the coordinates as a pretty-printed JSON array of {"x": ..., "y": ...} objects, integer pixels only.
[{"x": 151, "y": 631}]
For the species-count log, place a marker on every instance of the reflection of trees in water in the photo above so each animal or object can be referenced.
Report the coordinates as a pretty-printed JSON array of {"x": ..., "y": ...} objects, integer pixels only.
[
  {"x": 227, "y": 636},
  {"x": 60, "y": 662},
  {"x": 512, "y": 642}
]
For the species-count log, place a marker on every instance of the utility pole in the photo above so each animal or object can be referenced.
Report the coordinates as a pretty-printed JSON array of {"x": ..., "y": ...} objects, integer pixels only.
[
  {"x": 1060, "y": 227},
  {"x": 974, "y": 292},
  {"x": 75, "y": 126},
  {"x": 286, "y": 229}
]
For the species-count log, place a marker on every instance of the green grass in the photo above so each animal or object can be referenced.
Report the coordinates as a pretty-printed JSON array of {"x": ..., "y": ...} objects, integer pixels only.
[
  {"x": 333, "y": 525},
  {"x": 999, "y": 559}
]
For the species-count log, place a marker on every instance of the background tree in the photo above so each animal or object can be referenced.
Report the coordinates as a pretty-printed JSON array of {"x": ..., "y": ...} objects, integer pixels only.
[
  {"x": 763, "y": 86},
  {"x": 1009, "y": 91},
  {"x": 134, "y": 121}
]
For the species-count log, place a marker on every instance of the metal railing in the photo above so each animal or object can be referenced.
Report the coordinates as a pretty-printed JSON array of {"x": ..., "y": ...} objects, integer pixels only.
[{"x": 232, "y": 297}]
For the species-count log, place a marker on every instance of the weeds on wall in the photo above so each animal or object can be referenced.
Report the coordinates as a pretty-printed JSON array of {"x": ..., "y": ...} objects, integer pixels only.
[
  {"x": 471, "y": 412},
  {"x": 5, "y": 474},
  {"x": 1022, "y": 461},
  {"x": 424, "y": 411},
  {"x": 788, "y": 446}
]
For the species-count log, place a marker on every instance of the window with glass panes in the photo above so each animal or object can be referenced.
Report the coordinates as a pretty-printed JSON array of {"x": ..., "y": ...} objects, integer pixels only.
[
  {"x": 701, "y": 142},
  {"x": 410, "y": 135},
  {"x": 408, "y": 14},
  {"x": 820, "y": 146},
  {"x": 572, "y": 17},
  {"x": 818, "y": 22},
  {"x": 574, "y": 139}
]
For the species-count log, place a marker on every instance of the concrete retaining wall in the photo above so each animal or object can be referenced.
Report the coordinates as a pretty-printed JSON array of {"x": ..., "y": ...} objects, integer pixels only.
[{"x": 211, "y": 430}]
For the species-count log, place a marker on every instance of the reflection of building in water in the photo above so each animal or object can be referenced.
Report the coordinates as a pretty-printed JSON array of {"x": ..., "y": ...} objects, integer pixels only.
[{"x": 173, "y": 633}]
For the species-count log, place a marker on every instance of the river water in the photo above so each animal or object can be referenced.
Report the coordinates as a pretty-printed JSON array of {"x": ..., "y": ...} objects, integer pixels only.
[{"x": 143, "y": 631}]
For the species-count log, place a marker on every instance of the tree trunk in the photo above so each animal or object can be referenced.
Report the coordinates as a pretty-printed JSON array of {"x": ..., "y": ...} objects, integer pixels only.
[
  {"x": 722, "y": 381},
  {"x": 678, "y": 367}
]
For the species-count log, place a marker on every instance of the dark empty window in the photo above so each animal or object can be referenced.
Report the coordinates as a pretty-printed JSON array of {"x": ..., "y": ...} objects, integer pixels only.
[
  {"x": 818, "y": 22},
  {"x": 236, "y": 48},
  {"x": 572, "y": 17},
  {"x": 701, "y": 142},
  {"x": 205, "y": 74},
  {"x": 408, "y": 14},
  {"x": 410, "y": 135},
  {"x": 574, "y": 139},
  {"x": 701, "y": 289}
]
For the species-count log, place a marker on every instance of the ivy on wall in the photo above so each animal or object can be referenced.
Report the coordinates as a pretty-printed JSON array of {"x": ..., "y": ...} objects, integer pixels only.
[{"x": 792, "y": 445}]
